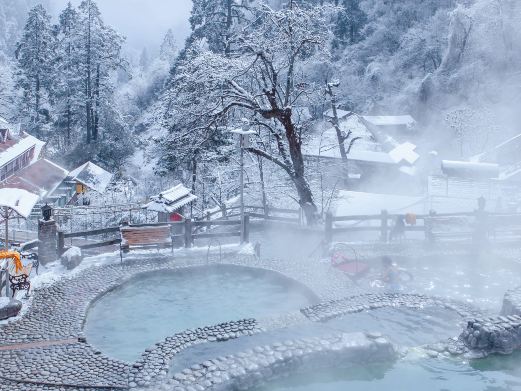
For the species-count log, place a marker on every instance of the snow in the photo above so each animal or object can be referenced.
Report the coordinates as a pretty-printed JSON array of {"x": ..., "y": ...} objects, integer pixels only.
[
  {"x": 19, "y": 200},
  {"x": 20, "y": 147},
  {"x": 325, "y": 144},
  {"x": 300, "y": 114},
  {"x": 4, "y": 301},
  {"x": 390, "y": 120},
  {"x": 341, "y": 114},
  {"x": 404, "y": 152},
  {"x": 171, "y": 200},
  {"x": 92, "y": 176},
  {"x": 71, "y": 253},
  {"x": 349, "y": 203},
  {"x": 360, "y": 203},
  {"x": 469, "y": 169}
]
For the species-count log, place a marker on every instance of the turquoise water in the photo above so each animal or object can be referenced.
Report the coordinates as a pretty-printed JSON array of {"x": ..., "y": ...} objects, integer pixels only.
[
  {"x": 402, "y": 326},
  {"x": 493, "y": 374},
  {"x": 126, "y": 321}
]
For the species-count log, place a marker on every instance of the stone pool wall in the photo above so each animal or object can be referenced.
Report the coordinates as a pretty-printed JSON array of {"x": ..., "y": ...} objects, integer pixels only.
[
  {"x": 500, "y": 334},
  {"x": 252, "y": 368},
  {"x": 155, "y": 362},
  {"x": 335, "y": 308}
]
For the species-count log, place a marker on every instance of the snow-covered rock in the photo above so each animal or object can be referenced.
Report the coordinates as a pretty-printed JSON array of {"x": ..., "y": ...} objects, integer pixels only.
[{"x": 71, "y": 258}]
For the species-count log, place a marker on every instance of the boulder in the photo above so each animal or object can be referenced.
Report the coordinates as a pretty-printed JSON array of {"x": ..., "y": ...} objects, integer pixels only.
[
  {"x": 9, "y": 307},
  {"x": 71, "y": 258}
]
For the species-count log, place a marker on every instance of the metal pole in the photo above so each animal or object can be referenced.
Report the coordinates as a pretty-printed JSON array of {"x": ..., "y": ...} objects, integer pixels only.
[{"x": 242, "y": 187}]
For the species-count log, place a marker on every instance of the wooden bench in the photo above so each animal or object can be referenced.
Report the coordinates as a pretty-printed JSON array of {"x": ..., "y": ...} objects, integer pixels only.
[{"x": 158, "y": 236}]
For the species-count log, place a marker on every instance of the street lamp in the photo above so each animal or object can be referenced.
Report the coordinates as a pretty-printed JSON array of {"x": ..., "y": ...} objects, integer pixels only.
[{"x": 244, "y": 142}]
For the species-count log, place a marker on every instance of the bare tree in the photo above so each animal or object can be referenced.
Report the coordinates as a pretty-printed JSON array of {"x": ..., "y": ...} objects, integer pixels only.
[{"x": 264, "y": 79}]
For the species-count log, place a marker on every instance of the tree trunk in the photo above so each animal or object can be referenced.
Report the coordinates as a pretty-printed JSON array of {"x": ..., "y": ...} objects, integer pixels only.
[
  {"x": 69, "y": 114},
  {"x": 301, "y": 184},
  {"x": 263, "y": 186},
  {"x": 229, "y": 22},
  {"x": 340, "y": 137},
  {"x": 95, "y": 131},
  {"x": 89, "y": 82}
]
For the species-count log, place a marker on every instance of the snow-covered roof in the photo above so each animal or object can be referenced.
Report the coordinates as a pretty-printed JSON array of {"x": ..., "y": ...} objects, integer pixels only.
[
  {"x": 339, "y": 112},
  {"x": 21, "y": 201},
  {"x": 171, "y": 200},
  {"x": 469, "y": 169},
  {"x": 325, "y": 144},
  {"x": 390, "y": 120},
  {"x": 92, "y": 176},
  {"x": 40, "y": 178},
  {"x": 13, "y": 150},
  {"x": 404, "y": 153},
  {"x": 370, "y": 157}
]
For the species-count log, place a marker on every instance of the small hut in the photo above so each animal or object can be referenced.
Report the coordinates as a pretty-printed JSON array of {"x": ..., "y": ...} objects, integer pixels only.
[{"x": 171, "y": 204}]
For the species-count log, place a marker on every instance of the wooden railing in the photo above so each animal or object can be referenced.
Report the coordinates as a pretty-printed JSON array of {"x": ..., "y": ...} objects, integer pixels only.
[
  {"x": 185, "y": 232},
  {"x": 434, "y": 226},
  {"x": 257, "y": 212}
]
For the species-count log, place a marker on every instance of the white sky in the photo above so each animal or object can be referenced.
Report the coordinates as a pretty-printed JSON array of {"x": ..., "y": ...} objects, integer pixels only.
[{"x": 143, "y": 22}]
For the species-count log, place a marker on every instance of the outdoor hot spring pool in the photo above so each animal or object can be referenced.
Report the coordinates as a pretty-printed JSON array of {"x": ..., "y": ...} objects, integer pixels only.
[
  {"x": 147, "y": 309},
  {"x": 496, "y": 373}
]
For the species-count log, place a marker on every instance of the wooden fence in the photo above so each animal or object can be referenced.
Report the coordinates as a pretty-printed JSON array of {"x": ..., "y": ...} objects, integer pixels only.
[
  {"x": 184, "y": 232},
  {"x": 433, "y": 226},
  {"x": 257, "y": 212}
]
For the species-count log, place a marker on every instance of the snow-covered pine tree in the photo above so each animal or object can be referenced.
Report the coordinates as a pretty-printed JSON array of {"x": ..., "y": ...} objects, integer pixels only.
[
  {"x": 68, "y": 89},
  {"x": 349, "y": 22},
  {"x": 168, "y": 50},
  {"x": 215, "y": 21},
  {"x": 35, "y": 54},
  {"x": 99, "y": 54}
]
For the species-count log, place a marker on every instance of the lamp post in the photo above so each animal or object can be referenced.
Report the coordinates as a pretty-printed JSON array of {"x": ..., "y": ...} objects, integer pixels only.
[{"x": 244, "y": 141}]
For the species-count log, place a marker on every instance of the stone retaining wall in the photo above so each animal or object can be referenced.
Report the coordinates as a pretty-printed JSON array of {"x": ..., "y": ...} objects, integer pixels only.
[
  {"x": 501, "y": 334},
  {"x": 263, "y": 364},
  {"x": 154, "y": 364},
  {"x": 348, "y": 305}
]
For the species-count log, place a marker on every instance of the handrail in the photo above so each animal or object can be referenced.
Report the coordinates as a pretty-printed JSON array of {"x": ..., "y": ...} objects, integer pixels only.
[{"x": 208, "y": 251}]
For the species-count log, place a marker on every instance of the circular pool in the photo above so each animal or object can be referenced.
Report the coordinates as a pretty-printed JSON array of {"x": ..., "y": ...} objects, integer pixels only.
[
  {"x": 145, "y": 310},
  {"x": 497, "y": 373}
]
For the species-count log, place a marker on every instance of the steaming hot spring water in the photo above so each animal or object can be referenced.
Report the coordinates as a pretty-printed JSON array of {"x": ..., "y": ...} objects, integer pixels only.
[
  {"x": 410, "y": 374},
  {"x": 145, "y": 310},
  {"x": 151, "y": 307}
]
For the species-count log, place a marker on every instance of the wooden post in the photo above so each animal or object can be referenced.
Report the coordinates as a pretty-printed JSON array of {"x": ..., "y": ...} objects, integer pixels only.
[
  {"x": 384, "y": 228},
  {"x": 7, "y": 293},
  {"x": 61, "y": 243},
  {"x": 246, "y": 225},
  {"x": 329, "y": 228},
  {"x": 225, "y": 212},
  {"x": 6, "y": 216},
  {"x": 428, "y": 227},
  {"x": 188, "y": 233}
]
